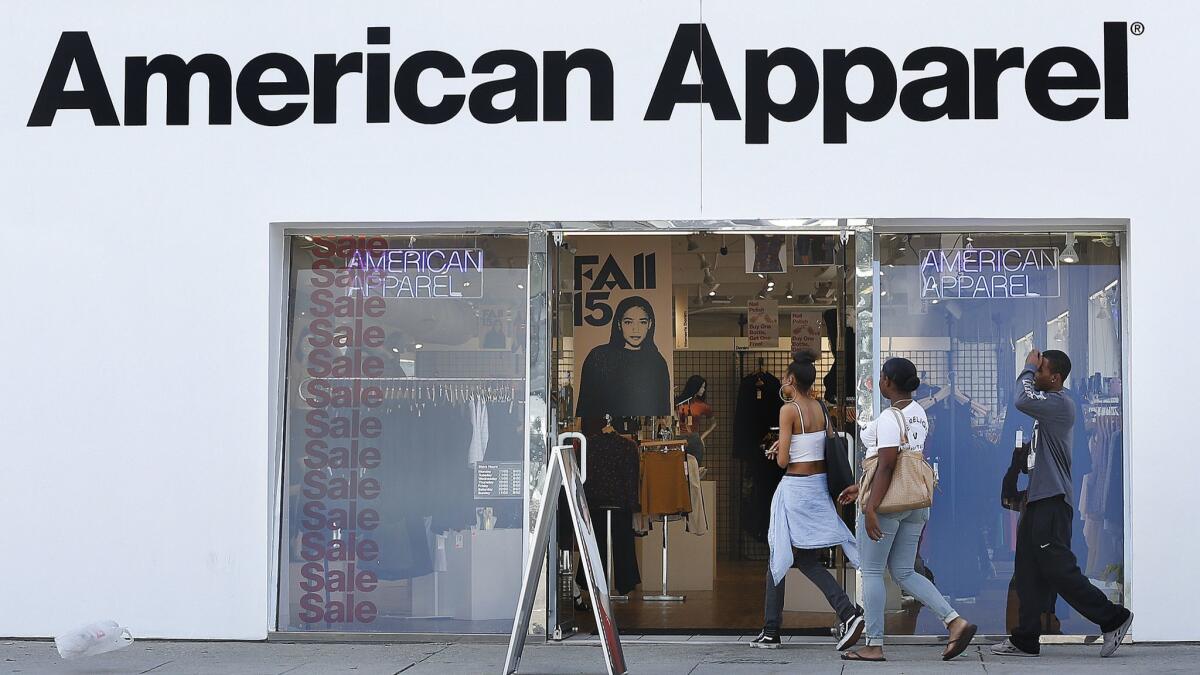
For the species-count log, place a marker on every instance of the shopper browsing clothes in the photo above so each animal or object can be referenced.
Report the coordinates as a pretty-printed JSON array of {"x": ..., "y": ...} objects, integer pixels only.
[
  {"x": 803, "y": 518},
  {"x": 889, "y": 540},
  {"x": 1044, "y": 564}
]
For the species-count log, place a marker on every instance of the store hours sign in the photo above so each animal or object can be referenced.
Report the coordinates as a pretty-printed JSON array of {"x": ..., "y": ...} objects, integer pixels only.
[{"x": 987, "y": 273}]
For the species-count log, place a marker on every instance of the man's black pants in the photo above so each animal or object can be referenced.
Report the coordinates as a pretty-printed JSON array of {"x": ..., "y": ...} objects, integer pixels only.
[{"x": 1045, "y": 566}]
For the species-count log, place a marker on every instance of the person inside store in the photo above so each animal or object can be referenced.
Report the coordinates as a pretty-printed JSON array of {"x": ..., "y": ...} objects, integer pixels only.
[
  {"x": 1044, "y": 564},
  {"x": 804, "y": 520},
  {"x": 692, "y": 408},
  {"x": 627, "y": 376},
  {"x": 889, "y": 540}
]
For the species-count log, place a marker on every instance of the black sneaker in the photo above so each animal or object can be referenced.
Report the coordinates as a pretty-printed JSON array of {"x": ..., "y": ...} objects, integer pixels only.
[
  {"x": 849, "y": 631},
  {"x": 765, "y": 641}
]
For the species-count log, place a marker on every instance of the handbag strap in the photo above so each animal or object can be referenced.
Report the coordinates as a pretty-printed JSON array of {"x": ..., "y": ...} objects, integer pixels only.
[
  {"x": 825, "y": 411},
  {"x": 903, "y": 427}
]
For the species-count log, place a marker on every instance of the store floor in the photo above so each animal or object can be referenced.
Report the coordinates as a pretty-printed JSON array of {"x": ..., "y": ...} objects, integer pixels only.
[{"x": 735, "y": 607}]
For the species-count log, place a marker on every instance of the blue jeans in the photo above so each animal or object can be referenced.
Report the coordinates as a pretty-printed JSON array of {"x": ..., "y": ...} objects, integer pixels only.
[{"x": 897, "y": 551}]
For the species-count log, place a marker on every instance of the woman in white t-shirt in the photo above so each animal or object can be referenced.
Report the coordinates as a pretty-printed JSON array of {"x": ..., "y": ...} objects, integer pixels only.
[{"x": 889, "y": 540}]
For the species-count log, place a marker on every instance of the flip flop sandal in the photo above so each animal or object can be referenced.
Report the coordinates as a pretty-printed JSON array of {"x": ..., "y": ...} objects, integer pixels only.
[
  {"x": 959, "y": 645},
  {"x": 855, "y": 656}
]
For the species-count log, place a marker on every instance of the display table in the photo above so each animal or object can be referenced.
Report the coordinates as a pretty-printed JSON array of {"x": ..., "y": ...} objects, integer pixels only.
[
  {"x": 691, "y": 559},
  {"x": 477, "y": 581}
]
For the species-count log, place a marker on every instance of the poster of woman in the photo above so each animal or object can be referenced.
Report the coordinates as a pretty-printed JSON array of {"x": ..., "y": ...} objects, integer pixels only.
[
  {"x": 627, "y": 376},
  {"x": 623, "y": 333}
]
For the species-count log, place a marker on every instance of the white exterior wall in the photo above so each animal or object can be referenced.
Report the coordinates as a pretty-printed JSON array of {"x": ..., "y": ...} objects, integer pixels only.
[{"x": 142, "y": 308}]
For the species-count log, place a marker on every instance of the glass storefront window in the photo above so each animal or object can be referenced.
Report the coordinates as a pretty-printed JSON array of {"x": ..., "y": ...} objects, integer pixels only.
[
  {"x": 967, "y": 309},
  {"x": 405, "y": 434}
]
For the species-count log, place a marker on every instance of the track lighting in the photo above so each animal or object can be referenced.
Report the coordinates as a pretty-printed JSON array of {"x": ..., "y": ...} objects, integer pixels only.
[
  {"x": 1069, "y": 255},
  {"x": 789, "y": 294}
]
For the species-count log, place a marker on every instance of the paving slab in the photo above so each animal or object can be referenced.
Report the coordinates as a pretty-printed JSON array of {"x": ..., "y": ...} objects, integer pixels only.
[{"x": 684, "y": 657}]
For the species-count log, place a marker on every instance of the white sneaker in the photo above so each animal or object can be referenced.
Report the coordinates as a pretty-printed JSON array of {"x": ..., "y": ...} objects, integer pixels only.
[
  {"x": 1007, "y": 648},
  {"x": 1113, "y": 638}
]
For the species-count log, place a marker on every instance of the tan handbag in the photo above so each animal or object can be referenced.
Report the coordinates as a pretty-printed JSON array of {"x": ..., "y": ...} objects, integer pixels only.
[{"x": 913, "y": 481}]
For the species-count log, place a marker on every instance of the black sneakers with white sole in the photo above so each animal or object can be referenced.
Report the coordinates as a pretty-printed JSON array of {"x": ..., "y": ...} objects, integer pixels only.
[
  {"x": 765, "y": 641},
  {"x": 849, "y": 631}
]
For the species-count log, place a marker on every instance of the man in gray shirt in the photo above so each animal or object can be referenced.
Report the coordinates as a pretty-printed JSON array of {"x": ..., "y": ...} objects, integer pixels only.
[{"x": 1044, "y": 564}]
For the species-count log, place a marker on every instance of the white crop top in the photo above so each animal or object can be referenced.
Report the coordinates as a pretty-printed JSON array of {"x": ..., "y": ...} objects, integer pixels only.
[
  {"x": 885, "y": 432},
  {"x": 809, "y": 447}
]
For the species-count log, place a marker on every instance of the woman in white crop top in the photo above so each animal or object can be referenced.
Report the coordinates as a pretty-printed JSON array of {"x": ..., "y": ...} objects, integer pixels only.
[
  {"x": 889, "y": 540},
  {"x": 803, "y": 518}
]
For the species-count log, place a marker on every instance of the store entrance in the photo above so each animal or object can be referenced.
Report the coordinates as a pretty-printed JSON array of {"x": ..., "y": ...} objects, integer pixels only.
[{"x": 667, "y": 355}]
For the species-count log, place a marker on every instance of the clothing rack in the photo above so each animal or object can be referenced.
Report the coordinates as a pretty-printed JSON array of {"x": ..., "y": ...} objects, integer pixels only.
[
  {"x": 426, "y": 390},
  {"x": 664, "y": 447},
  {"x": 609, "y": 560},
  {"x": 608, "y": 428}
]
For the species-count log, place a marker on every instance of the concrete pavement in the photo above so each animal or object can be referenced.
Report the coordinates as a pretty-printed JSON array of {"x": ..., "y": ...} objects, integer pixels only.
[{"x": 642, "y": 656}]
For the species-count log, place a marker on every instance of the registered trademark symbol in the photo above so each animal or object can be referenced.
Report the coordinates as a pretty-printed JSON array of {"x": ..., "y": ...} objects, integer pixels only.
[{"x": 1137, "y": 28}]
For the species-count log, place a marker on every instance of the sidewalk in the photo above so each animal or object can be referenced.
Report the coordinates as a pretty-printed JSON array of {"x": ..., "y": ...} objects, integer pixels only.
[{"x": 277, "y": 658}]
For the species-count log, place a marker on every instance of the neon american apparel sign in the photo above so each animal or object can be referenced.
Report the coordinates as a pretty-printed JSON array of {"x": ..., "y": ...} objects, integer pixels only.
[
  {"x": 985, "y": 273},
  {"x": 416, "y": 273}
]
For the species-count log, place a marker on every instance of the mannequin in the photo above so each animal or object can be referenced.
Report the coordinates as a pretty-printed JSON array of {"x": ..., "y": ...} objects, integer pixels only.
[{"x": 691, "y": 408}]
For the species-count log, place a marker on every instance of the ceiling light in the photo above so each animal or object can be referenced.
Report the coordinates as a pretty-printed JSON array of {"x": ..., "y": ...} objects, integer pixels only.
[
  {"x": 521, "y": 286},
  {"x": 418, "y": 345},
  {"x": 935, "y": 301},
  {"x": 308, "y": 237},
  {"x": 761, "y": 275},
  {"x": 466, "y": 283},
  {"x": 1069, "y": 255},
  {"x": 882, "y": 293},
  {"x": 396, "y": 349},
  {"x": 789, "y": 294},
  {"x": 712, "y": 292}
]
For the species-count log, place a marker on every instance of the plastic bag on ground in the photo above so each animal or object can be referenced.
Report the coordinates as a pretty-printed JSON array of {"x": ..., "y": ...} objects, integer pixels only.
[{"x": 95, "y": 638}]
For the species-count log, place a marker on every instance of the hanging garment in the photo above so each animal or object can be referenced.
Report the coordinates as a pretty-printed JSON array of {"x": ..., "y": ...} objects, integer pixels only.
[
  {"x": 478, "y": 410},
  {"x": 697, "y": 519},
  {"x": 767, "y": 248},
  {"x": 664, "y": 489},
  {"x": 843, "y": 362},
  {"x": 506, "y": 432},
  {"x": 612, "y": 472},
  {"x": 755, "y": 412}
]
